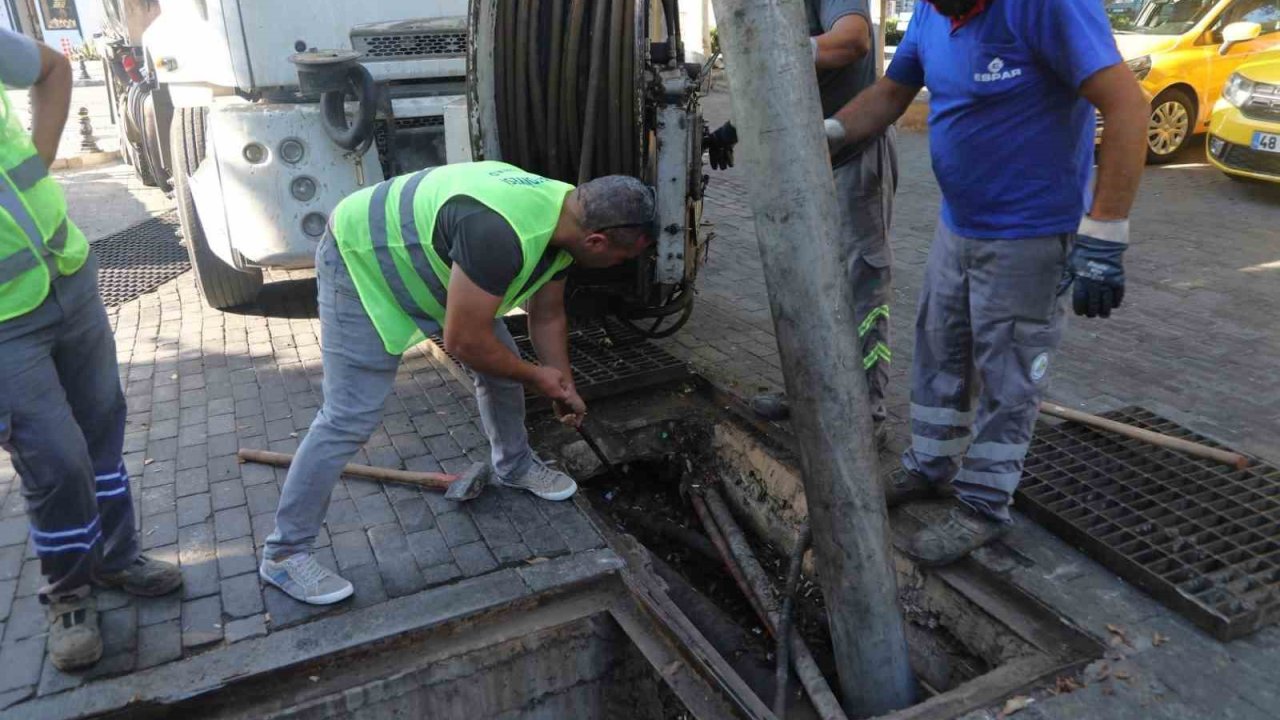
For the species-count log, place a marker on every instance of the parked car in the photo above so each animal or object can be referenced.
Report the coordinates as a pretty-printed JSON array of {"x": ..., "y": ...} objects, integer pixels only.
[
  {"x": 1244, "y": 131},
  {"x": 1183, "y": 51}
]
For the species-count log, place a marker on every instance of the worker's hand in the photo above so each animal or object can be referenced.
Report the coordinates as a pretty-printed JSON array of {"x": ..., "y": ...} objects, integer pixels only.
[
  {"x": 552, "y": 383},
  {"x": 572, "y": 410},
  {"x": 1097, "y": 265},
  {"x": 719, "y": 145}
]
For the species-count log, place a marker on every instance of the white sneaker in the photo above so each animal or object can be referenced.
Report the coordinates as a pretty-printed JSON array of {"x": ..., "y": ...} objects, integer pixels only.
[
  {"x": 302, "y": 578},
  {"x": 544, "y": 481}
]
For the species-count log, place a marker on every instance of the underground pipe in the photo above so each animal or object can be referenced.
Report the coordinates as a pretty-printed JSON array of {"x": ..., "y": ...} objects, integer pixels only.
[{"x": 738, "y": 557}]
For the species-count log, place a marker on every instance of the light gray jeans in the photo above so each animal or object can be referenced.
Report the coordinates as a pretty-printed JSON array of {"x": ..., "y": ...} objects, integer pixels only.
[
  {"x": 358, "y": 375},
  {"x": 990, "y": 319}
]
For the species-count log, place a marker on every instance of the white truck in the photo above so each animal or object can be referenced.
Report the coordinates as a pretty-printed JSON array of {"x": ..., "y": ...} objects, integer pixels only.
[{"x": 280, "y": 109}]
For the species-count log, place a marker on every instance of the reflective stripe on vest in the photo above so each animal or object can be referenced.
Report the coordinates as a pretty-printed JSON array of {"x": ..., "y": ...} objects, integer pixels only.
[
  {"x": 37, "y": 240},
  {"x": 385, "y": 235}
]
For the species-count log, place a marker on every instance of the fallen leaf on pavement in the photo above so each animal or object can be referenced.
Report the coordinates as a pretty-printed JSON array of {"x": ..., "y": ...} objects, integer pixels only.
[
  {"x": 1157, "y": 639},
  {"x": 1015, "y": 704},
  {"x": 148, "y": 461},
  {"x": 1122, "y": 675},
  {"x": 1066, "y": 684}
]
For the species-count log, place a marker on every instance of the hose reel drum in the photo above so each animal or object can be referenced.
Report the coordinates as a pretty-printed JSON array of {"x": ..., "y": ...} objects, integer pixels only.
[{"x": 577, "y": 89}]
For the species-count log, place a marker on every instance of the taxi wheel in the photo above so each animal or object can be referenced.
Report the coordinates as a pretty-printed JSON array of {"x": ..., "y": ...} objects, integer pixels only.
[{"x": 1169, "y": 127}]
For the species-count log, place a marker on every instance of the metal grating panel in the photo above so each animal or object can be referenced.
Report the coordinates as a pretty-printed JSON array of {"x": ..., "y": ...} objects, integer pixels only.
[
  {"x": 1201, "y": 537},
  {"x": 407, "y": 46},
  {"x": 139, "y": 259},
  {"x": 403, "y": 124},
  {"x": 603, "y": 363}
]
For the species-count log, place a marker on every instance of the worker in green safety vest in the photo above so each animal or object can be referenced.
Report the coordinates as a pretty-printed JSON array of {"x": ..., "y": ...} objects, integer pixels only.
[
  {"x": 62, "y": 412},
  {"x": 450, "y": 249}
]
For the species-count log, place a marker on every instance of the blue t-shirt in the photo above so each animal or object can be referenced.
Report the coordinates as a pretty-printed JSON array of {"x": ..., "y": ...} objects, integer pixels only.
[{"x": 1010, "y": 135}]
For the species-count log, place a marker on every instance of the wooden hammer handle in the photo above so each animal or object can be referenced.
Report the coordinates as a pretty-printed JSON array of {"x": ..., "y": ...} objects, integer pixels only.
[
  {"x": 1225, "y": 457},
  {"x": 437, "y": 481}
]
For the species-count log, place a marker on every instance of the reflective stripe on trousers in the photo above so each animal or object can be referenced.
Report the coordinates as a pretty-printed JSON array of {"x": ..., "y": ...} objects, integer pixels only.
[{"x": 988, "y": 309}]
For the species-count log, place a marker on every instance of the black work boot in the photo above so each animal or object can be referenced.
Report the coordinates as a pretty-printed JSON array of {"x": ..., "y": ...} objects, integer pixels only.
[
  {"x": 963, "y": 531},
  {"x": 771, "y": 406},
  {"x": 144, "y": 576},
  {"x": 902, "y": 485}
]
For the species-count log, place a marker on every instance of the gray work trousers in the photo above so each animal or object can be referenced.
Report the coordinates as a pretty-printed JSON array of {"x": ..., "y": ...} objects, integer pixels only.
[
  {"x": 62, "y": 421},
  {"x": 358, "y": 376},
  {"x": 864, "y": 191},
  {"x": 990, "y": 313}
]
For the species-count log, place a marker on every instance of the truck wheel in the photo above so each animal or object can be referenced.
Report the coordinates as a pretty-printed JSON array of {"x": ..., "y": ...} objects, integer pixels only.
[{"x": 222, "y": 285}]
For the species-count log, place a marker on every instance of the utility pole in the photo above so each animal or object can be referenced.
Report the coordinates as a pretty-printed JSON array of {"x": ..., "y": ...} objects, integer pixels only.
[{"x": 779, "y": 121}]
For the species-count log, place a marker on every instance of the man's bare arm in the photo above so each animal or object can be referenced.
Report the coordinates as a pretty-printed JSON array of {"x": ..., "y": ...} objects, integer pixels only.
[
  {"x": 871, "y": 112},
  {"x": 848, "y": 41},
  {"x": 50, "y": 102},
  {"x": 468, "y": 336},
  {"x": 1121, "y": 157},
  {"x": 549, "y": 328}
]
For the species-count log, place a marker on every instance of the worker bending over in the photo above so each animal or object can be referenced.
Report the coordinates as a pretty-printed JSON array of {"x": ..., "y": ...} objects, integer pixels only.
[
  {"x": 1012, "y": 89},
  {"x": 866, "y": 176},
  {"x": 62, "y": 412},
  {"x": 452, "y": 248}
]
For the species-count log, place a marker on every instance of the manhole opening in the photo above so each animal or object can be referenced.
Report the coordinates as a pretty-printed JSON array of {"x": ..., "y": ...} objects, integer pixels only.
[
  {"x": 140, "y": 259},
  {"x": 1203, "y": 538},
  {"x": 965, "y": 651}
]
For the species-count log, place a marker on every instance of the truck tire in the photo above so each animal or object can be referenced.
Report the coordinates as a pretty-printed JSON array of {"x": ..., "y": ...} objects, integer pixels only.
[{"x": 221, "y": 285}]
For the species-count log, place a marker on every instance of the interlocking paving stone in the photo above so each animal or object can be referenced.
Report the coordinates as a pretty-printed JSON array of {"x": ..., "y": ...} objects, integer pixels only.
[
  {"x": 351, "y": 549},
  {"x": 236, "y": 557},
  {"x": 197, "y": 554},
  {"x": 474, "y": 559},
  {"x": 159, "y": 643},
  {"x": 226, "y": 494},
  {"x": 262, "y": 499},
  {"x": 374, "y": 509},
  {"x": 242, "y": 596},
  {"x": 343, "y": 517},
  {"x": 545, "y": 541},
  {"x": 201, "y": 621},
  {"x": 232, "y": 523},
  {"x": 194, "y": 509},
  {"x": 245, "y": 628},
  {"x": 458, "y": 528},
  {"x": 27, "y": 618},
  {"x": 400, "y": 574},
  {"x": 21, "y": 662},
  {"x": 153, "y": 611}
]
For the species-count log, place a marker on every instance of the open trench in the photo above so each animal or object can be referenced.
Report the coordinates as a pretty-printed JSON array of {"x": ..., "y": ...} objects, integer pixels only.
[{"x": 670, "y": 446}]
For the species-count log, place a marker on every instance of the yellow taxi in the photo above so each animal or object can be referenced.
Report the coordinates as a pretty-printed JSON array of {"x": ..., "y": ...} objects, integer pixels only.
[
  {"x": 1183, "y": 51},
  {"x": 1244, "y": 131}
]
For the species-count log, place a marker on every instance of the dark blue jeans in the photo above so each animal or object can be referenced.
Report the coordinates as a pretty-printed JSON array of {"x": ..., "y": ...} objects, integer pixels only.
[{"x": 62, "y": 420}]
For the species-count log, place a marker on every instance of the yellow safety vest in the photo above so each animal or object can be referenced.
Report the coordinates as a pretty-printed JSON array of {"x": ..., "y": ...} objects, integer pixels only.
[
  {"x": 385, "y": 236},
  {"x": 37, "y": 239}
]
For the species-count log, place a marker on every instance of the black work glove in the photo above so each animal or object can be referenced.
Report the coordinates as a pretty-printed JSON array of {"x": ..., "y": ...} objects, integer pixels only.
[
  {"x": 1097, "y": 266},
  {"x": 719, "y": 145}
]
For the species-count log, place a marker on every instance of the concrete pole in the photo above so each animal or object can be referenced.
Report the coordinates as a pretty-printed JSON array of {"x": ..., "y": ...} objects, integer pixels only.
[{"x": 779, "y": 121}]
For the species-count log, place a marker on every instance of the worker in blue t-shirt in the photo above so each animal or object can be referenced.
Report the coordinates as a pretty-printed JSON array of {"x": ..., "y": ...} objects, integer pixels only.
[{"x": 1012, "y": 89}]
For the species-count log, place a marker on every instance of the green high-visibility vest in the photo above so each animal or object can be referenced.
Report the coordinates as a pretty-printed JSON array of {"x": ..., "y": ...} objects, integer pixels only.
[
  {"x": 37, "y": 240},
  {"x": 385, "y": 236}
]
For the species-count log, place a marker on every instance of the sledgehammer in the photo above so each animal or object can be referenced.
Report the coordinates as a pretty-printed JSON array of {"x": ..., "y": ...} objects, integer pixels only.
[{"x": 458, "y": 488}]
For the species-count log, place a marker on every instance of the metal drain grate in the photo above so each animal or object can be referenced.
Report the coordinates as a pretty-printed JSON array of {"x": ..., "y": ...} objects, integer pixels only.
[
  {"x": 139, "y": 259},
  {"x": 603, "y": 363},
  {"x": 1201, "y": 537}
]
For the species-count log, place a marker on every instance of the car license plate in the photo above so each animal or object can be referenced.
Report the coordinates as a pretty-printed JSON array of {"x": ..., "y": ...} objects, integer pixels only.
[{"x": 1266, "y": 142}]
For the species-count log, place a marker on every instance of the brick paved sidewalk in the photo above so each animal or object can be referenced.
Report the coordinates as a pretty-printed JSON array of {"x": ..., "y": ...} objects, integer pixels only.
[{"x": 202, "y": 383}]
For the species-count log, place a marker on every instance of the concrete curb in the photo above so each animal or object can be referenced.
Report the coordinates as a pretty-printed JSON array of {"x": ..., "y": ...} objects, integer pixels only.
[{"x": 77, "y": 162}]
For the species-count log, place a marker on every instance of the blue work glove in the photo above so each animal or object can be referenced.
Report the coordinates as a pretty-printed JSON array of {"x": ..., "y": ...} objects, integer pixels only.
[{"x": 1097, "y": 266}]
